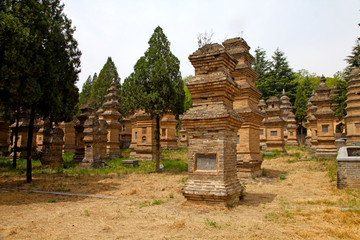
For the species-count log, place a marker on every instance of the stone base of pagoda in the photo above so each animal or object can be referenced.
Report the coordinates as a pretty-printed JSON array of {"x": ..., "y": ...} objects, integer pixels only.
[
  {"x": 218, "y": 193},
  {"x": 249, "y": 165}
]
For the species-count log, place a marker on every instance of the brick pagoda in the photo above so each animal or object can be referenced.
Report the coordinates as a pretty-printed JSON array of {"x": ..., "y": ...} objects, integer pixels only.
[
  {"x": 262, "y": 107},
  {"x": 111, "y": 116},
  {"x": 212, "y": 127},
  {"x": 168, "y": 132},
  {"x": 353, "y": 109},
  {"x": 325, "y": 121},
  {"x": 274, "y": 125},
  {"x": 246, "y": 104}
]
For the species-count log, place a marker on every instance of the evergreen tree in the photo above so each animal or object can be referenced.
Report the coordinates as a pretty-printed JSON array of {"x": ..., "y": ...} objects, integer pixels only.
[
  {"x": 261, "y": 64},
  {"x": 353, "y": 60},
  {"x": 158, "y": 79},
  {"x": 51, "y": 60},
  {"x": 339, "y": 94},
  {"x": 188, "y": 101},
  {"x": 102, "y": 83},
  {"x": 275, "y": 75},
  {"x": 86, "y": 91},
  {"x": 281, "y": 77},
  {"x": 130, "y": 96}
]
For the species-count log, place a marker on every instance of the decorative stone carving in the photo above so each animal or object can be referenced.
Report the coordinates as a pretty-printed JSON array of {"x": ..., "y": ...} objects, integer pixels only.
[{"x": 212, "y": 127}]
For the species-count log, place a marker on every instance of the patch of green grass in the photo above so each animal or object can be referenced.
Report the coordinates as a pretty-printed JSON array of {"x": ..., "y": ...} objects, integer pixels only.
[
  {"x": 175, "y": 161},
  {"x": 292, "y": 160},
  {"x": 157, "y": 202},
  {"x": 321, "y": 202},
  {"x": 282, "y": 176},
  {"x": 274, "y": 154},
  {"x": 184, "y": 179},
  {"x": 86, "y": 212},
  {"x": 210, "y": 223},
  {"x": 52, "y": 201},
  {"x": 330, "y": 165},
  {"x": 176, "y": 166},
  {"x": 297, "y": 155}
]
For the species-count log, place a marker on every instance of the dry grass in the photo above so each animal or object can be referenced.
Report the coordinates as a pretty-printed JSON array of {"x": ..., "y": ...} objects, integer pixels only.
[{"x": 304, "y": 205}]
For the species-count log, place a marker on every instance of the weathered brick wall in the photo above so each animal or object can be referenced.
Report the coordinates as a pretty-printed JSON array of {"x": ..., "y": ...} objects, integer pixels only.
[{"x": 348, "y": 174}]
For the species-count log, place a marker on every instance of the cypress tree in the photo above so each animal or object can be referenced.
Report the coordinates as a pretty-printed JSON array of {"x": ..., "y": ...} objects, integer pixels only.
[
  {"x": 102, "y": 83},
  {"x": 159, "y": 83},
  {"x": 86, "y": 91}
]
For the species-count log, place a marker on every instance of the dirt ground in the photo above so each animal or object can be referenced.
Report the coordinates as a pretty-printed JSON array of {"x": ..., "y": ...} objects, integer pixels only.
[{"x": 294, "y": 200}]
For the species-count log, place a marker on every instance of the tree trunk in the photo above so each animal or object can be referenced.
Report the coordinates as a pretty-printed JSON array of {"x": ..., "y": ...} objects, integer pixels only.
[
  {"x": 301, "y": 134},
  {"x": 157, "y": 139},
  {"x": 15, "y": 150},
  {"x": 29, "y": 146}
]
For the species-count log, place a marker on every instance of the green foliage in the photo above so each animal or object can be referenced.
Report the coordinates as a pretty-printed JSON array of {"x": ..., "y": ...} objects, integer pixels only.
[
  {"x": 211, "y": 223},
  {"x": 130, "y": 96},
  {"x": 261, "y": 65},
  {"x": 102, "y": 83},
  {"x": 188, "y": 101},
  {"x": 158, "y": 82},
  {"x": 85, "y": 94},
  {"x": 339, "y": 95},
  {"x": 275, "y": 75},
  {"x": 300, "y": 105},
  {"x": 282, "y": 176},
  {"x": 353, "y": 60}
]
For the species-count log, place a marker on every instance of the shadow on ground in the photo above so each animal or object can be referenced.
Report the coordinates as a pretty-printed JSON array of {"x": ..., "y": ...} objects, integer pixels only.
[{"x": 256, "y": 199}]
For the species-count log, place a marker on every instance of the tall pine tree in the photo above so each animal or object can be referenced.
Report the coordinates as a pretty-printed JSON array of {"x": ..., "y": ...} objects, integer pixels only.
[
  {"x": 100, "y": 85},
  {"x": 158, "y": 80},
  {"x": 353, "y": 60},
  {"x": 86, "y": 91},
  {"x": 281, "y": 76}
]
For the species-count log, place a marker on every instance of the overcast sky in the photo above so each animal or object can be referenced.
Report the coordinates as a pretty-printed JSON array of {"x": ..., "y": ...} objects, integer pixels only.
[{"x": 315, "y": 35}]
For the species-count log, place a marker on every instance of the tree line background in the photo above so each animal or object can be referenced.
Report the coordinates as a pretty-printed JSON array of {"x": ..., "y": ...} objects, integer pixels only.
[{"x": 40, "y": 63}]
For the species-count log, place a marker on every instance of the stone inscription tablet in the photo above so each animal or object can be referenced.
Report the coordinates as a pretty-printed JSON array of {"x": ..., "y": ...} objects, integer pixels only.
[{"x": 206, "y": 162}]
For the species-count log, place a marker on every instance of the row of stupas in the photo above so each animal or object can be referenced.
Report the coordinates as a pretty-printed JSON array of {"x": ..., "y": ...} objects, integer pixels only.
[
  {"x": 94, "y": 136},
  {"x": 279, "y": 126}
]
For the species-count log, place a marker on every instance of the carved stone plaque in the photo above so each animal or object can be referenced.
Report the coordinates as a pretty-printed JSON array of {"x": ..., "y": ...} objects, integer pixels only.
[{"x": 206, "y": 162}]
